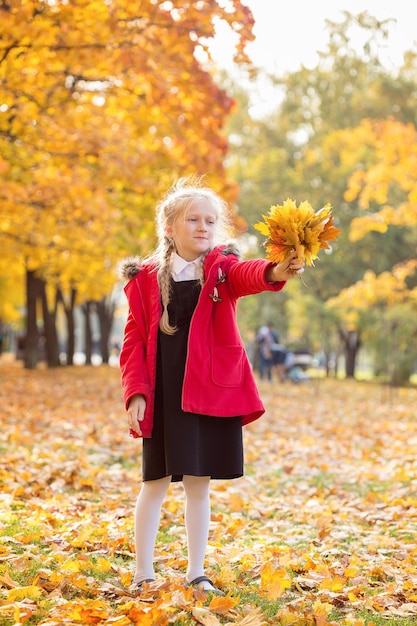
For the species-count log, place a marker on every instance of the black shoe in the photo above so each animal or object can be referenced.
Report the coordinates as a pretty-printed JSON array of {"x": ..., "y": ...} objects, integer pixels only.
[
  {"x": 197, "y": 583},
  {"x": 137, "y": 587}
]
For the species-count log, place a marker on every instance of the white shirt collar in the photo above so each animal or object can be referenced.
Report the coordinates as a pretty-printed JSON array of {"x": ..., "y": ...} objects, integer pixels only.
[{"x": 184, "y": 270}]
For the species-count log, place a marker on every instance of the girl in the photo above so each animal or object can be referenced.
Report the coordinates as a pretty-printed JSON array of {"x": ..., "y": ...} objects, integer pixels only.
[{"x": 187, "y": 384}]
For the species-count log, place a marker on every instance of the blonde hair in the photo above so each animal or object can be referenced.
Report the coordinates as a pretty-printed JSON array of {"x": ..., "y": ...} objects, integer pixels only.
[{"x": 176, "y": 203}]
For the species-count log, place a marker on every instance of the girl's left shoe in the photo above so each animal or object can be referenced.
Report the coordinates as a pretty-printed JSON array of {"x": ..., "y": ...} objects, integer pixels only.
[{"x": 138, "y": 587}]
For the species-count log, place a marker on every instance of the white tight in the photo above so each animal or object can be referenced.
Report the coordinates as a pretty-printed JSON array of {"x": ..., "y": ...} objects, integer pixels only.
[{"x": 197, "y": 520}]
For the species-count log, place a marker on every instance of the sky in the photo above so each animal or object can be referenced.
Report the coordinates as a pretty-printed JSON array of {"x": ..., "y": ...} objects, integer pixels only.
[{"x": 289, "y": 33}]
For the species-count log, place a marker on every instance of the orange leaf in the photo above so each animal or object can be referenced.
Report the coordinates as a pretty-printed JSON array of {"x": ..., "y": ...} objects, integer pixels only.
[{"x": 222, "y": 604}]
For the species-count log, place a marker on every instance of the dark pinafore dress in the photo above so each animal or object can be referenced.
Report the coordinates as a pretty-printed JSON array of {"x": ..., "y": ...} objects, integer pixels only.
[{"x": 186, "y": 443}]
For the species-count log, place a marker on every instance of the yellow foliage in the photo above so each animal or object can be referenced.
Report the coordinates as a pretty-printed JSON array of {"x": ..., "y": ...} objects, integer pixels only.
[
  {"x": 390, "y": 163},
  {"x": 388, "y": 288},
  {"x": 360, "y": 225},
  {"x": 102, "y": 107},
  {"x": 288, "y": 227}
]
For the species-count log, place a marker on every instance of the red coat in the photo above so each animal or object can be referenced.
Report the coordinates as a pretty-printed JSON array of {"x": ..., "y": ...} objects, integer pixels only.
[{"x": 218, "y": 378}]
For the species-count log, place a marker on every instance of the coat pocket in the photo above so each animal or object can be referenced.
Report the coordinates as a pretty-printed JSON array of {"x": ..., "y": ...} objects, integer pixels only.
[{"x": 227, "y": 365}]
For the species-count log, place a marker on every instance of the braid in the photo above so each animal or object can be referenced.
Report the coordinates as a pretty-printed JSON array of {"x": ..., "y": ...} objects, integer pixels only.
[
  {"x": 201, "y": 268},
  {"x": 164, "y": 276}
]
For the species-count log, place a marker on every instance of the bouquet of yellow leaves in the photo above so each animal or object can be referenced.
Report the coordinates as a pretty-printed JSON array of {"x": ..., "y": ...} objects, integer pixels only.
[{"x": 288, "y": 227}]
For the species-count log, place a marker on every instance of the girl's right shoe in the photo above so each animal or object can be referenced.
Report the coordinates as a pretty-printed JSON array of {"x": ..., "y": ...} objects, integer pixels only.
[{"x": 138, "y": 587}]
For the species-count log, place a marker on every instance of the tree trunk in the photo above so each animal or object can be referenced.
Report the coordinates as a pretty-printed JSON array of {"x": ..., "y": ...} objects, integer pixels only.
[
  {"x": 50, "y": 331},
  {"x": 330, "y": 364},
  {"x": 69, "y": 312},
  {"x": 351, "y": 343},
  {"x": 88, "y": 332},
  {"x": 69, "y": 315},
  {"x": 32, "y": 337},
  {"x": 105, "y": 311}
]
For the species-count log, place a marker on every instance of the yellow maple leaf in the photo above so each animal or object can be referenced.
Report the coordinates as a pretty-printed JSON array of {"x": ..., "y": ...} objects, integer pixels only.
[
  {"x": 288, "y": 227},
  {"x": 290, "y": 617},
  {"x": 321, "y": 612},
  {"x": 274, "y": 580},
  {"x": 71, "y": 566},
  {"x": 101, "y": 565},
  {"x": 333, "y": 584},
  {"x": 89, "y": 612},
  {"x": 148, "y": 616},
  {"x": 351, "y": 571},
  {"x": 32, "y": 592},
  {"x": 227, "y": 574},
  {"x": 222, "y": 604}
]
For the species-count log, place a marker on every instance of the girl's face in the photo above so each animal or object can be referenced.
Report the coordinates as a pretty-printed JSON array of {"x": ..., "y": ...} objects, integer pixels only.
[{"x": 193, "y": 232}]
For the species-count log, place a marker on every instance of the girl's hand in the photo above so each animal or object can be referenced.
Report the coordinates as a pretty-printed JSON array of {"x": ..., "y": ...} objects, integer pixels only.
[
  {"x": 135, "y": 414},
  {"x": 285, "y": 270}
]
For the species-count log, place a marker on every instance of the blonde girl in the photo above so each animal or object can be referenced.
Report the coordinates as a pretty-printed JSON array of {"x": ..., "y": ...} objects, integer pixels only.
[{"x": 187, "y": 383}]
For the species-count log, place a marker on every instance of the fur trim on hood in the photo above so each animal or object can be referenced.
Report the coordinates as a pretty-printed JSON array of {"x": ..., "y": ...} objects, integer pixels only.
[
  {"x": 232, "y": 247},
  {"x": 129, "y": 267}
]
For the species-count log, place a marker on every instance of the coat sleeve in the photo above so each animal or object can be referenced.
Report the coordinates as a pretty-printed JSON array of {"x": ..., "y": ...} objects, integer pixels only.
[
  {"x": 248, "y": 277},
  {"x": 133, "y": 367}
]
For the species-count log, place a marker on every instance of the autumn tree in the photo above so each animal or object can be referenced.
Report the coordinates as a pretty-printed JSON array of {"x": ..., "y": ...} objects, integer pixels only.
[
  {"x": 103, "y": 105},
  {"x": 384, "y": 306},
  {"x": 385, "y": 185},
  {"x": 308, "y": 149}
]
